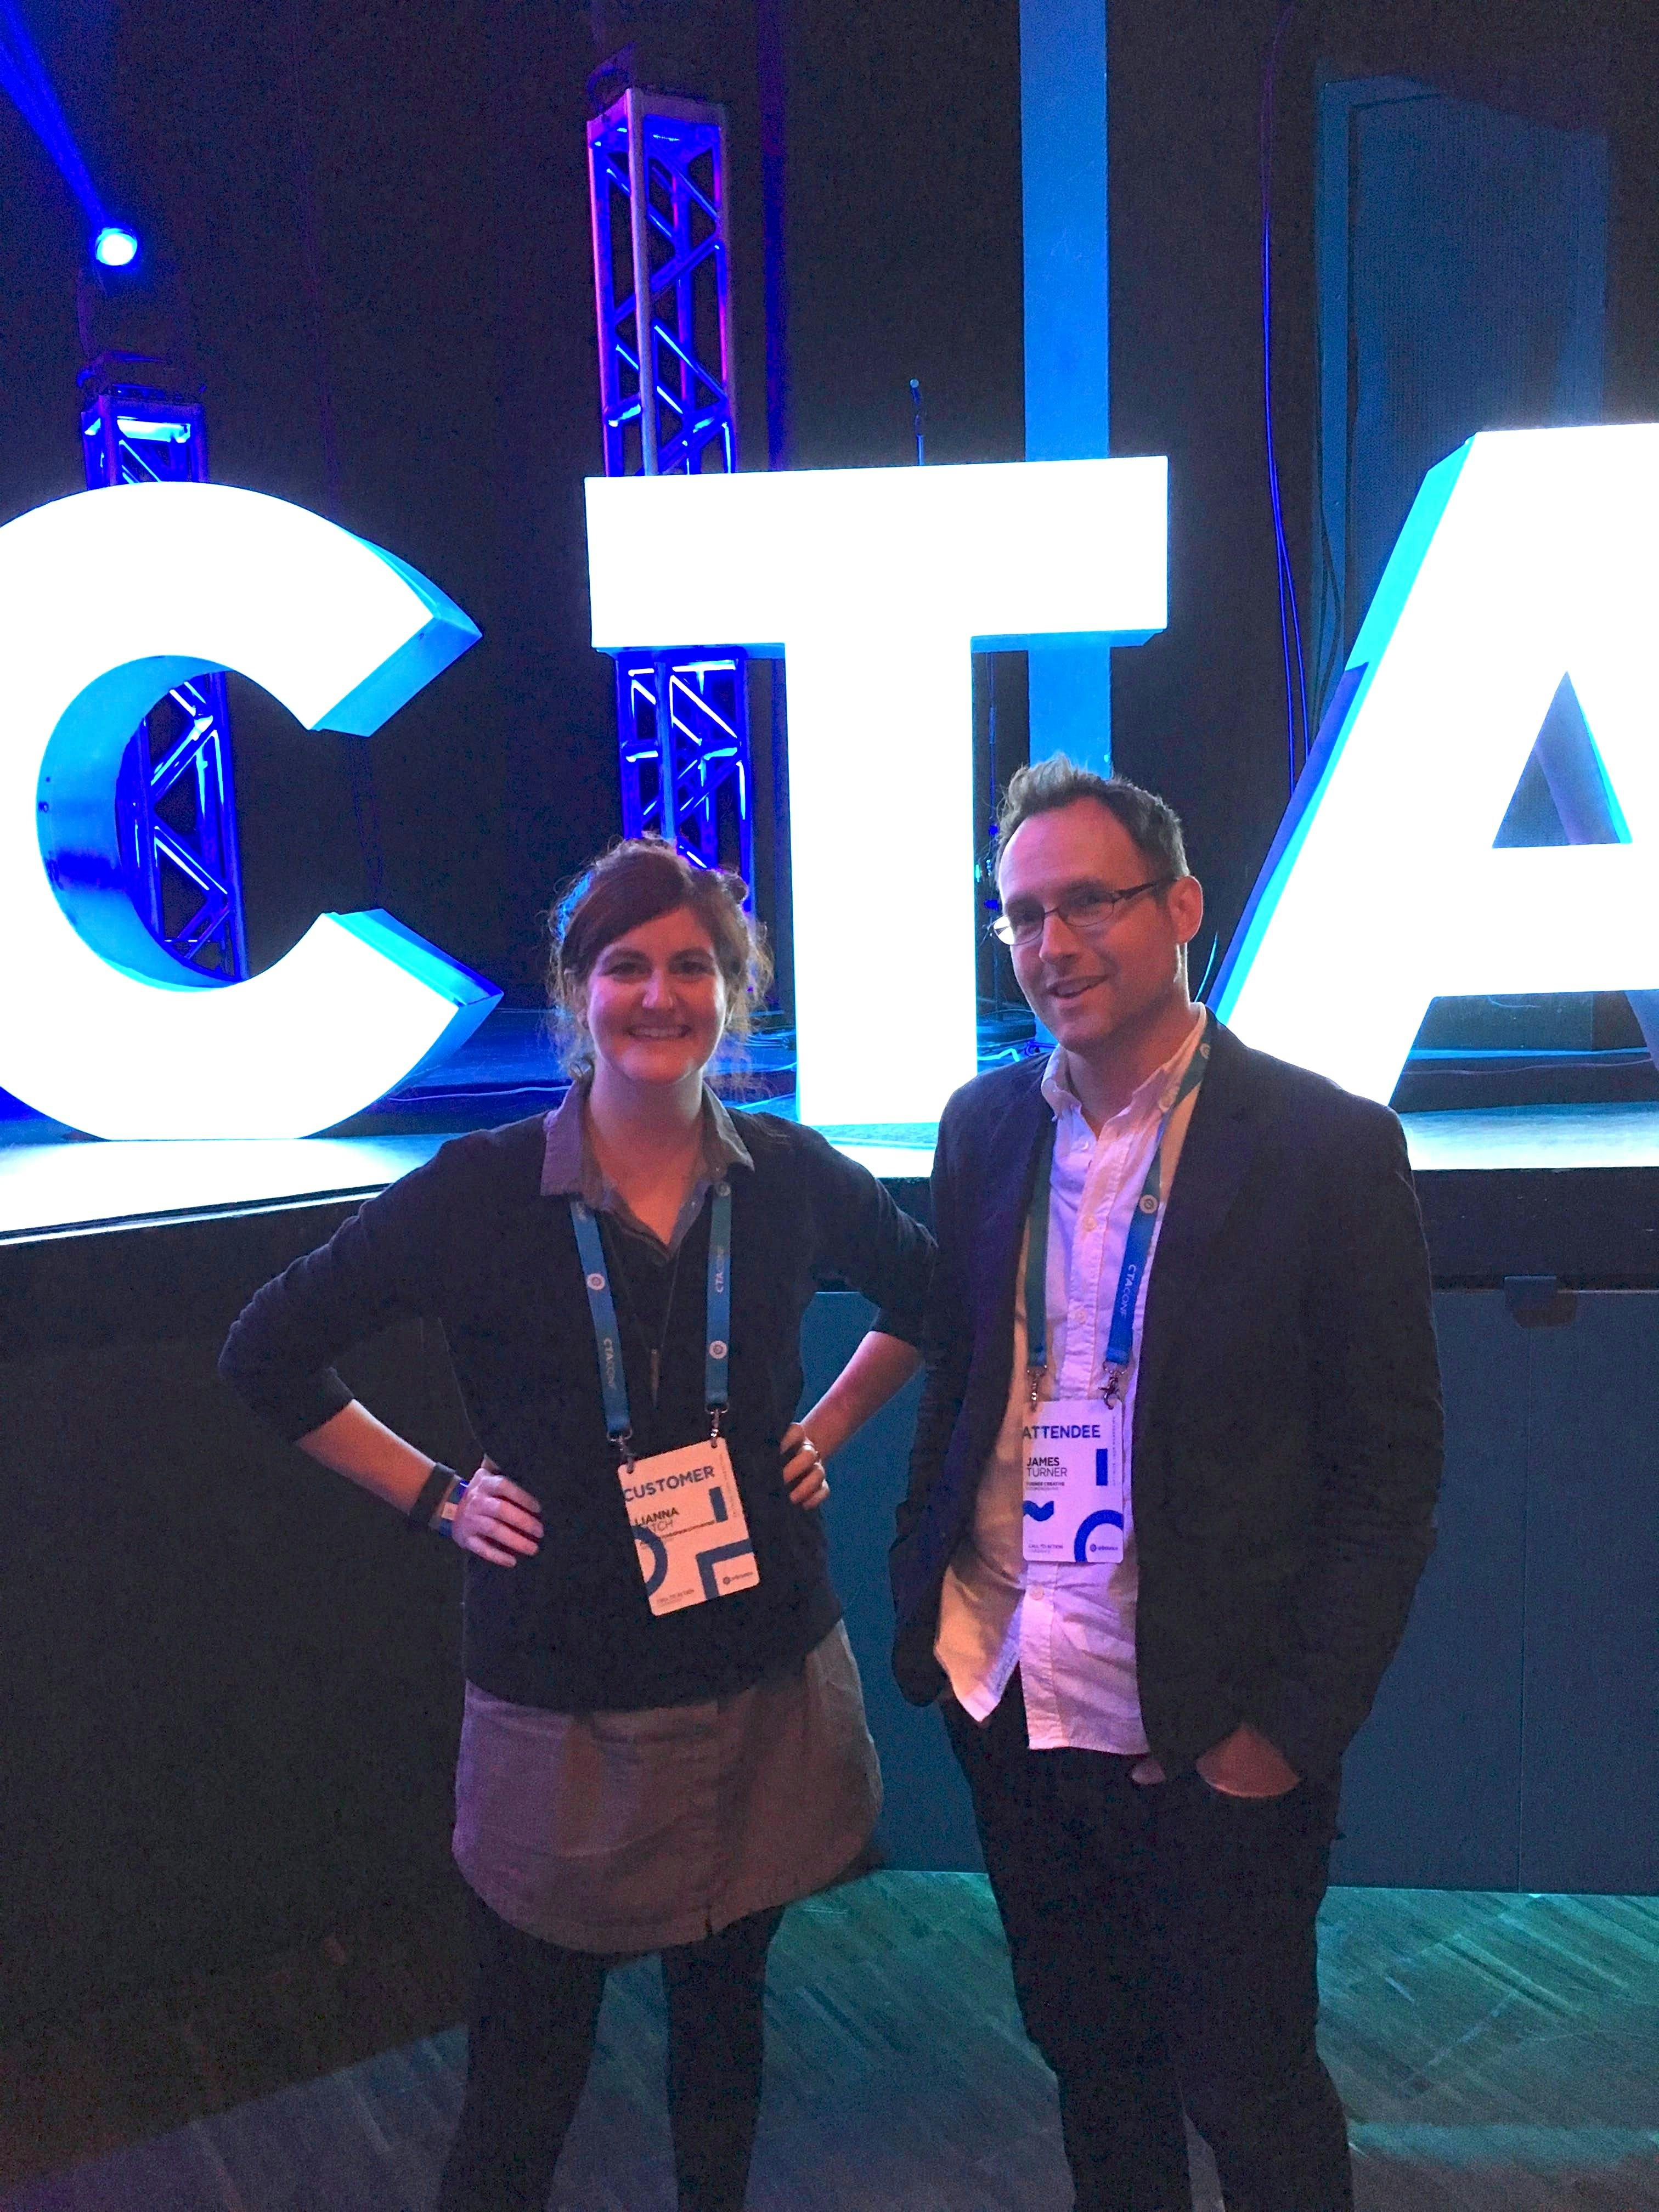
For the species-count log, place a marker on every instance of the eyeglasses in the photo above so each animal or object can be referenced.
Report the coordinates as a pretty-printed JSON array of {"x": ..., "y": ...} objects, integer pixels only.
[{"x": 1090, "y": 911}]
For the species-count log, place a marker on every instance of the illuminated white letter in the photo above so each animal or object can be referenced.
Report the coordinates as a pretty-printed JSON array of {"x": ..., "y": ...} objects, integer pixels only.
[
  {"x": 107, "y": 600},
  {"x": 876, "y": 585},
  {"x": 1528, "y": 556}
]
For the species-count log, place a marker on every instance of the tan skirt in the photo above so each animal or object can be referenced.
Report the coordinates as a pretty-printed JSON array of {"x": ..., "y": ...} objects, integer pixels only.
[{"x": 626, "y": 1832}]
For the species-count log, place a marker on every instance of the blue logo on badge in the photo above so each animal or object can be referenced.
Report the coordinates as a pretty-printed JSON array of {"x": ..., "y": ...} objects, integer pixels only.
[
  {"x": 1101, "y": 1520},
  {"x": 708, "y": 1562},
  {"x": 657, "y": 1552},
  {"x": 1039, "y": 1512}
]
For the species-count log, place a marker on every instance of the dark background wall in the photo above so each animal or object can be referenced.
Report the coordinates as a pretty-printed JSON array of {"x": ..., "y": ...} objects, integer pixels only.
[
  {"x": 367, "y": 227},
  {"x": 1199, "y": 711}
]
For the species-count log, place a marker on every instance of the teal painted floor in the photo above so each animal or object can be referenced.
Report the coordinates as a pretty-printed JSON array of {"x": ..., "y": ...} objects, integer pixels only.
[{"x": 1496, "y": 2053}]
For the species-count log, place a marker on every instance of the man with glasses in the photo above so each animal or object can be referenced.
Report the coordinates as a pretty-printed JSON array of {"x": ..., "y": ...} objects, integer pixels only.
[{"x": 1171, "y": 1491}]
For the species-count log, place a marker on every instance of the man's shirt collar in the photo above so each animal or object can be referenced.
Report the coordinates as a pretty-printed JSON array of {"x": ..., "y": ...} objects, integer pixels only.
[{"x": 1156, "y": 1096}]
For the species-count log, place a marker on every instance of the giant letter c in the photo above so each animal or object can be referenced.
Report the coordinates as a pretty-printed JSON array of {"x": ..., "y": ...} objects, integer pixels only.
[{"x": 107, "y": 599}]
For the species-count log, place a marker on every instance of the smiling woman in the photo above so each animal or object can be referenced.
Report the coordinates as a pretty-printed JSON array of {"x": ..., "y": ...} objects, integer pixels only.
[
  {"x": 663, "y": 1741},
  {"x": 639, "y": 882},
  {"x": 656, "y": 961}
]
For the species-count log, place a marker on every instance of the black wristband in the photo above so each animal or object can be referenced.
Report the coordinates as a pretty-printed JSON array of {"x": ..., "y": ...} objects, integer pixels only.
[{"x": 432, "y": 1490}]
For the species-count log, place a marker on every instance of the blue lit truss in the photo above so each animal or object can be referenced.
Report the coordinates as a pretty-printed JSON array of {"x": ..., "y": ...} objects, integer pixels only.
[
  {"x": 662, "y": 274},
  {"x": 175, "y": 796},
  {"x": 686, "y": 778}
]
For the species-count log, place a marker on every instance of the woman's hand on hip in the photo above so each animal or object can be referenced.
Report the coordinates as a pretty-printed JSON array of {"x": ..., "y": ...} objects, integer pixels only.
[
  {"x": 803, "y": 1470},
  {"x": 496, "y": 1519}
]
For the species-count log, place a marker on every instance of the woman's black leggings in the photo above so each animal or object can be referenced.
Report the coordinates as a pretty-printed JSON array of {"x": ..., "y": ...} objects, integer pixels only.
[{"x": 529, "y": 2038}]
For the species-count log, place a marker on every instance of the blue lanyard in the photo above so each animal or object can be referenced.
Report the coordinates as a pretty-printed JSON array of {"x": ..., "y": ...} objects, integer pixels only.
[
  {"x": 607, "y": 1337},
  {"x": 1137, "y": 1247}
]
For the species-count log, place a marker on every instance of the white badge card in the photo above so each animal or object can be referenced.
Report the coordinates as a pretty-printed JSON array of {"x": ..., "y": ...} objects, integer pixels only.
[
  {"x": 1073, "y": 1452},
  {"x": 689, "y": 1526}
]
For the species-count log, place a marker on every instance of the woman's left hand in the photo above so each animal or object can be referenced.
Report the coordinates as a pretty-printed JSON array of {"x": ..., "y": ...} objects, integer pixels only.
[{"x": 803, "y": 1470}]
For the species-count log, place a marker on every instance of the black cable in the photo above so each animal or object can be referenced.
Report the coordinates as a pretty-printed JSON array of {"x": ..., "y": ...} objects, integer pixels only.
[
  {"x": 365, "y": 806},
  {"x": 1290, "y": 618},
  {"x": 1204, "y": 984}
]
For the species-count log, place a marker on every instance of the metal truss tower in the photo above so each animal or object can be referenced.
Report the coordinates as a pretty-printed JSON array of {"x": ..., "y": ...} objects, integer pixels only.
[
  {"x": 175, "y": 798},
  {"x": 662, "y": 277}
]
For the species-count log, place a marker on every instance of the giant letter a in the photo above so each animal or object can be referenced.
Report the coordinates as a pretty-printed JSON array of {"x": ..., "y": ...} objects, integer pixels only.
[{"x": 1528, "y": 556}]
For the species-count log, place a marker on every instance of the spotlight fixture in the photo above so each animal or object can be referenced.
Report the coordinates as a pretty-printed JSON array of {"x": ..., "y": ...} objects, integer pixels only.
[{"x": 114, "y": 247}]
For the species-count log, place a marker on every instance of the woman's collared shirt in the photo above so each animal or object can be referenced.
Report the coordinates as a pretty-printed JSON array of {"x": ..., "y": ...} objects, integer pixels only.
[{"x": 570, "y": 1170}]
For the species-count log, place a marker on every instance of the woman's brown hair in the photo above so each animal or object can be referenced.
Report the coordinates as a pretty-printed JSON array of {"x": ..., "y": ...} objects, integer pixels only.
[{"x": 636, "y": 882}]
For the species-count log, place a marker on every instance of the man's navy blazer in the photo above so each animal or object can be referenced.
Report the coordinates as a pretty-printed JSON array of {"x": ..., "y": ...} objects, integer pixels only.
[{"x": 1287, "y": 1433}]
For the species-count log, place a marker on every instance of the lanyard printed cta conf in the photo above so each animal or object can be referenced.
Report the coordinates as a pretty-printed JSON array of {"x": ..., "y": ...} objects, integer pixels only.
[
  {"x": 1137, "y": 1248},
  {"x": 607, "y": 1337},
  {"x": 683, "y": 1507}
]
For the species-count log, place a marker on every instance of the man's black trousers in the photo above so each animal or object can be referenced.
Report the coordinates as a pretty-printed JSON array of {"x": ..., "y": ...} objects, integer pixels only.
[
  {"x": 529, "y": 2038},
  {"x": 1163, "y": 1953}
]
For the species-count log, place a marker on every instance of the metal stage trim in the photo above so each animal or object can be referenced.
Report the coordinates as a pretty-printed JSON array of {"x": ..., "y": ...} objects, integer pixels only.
[
  {"x": 83, "y": 1188},
  {"x": 1531, "y": 1137},
  {"x": 80, "y": 1187}
]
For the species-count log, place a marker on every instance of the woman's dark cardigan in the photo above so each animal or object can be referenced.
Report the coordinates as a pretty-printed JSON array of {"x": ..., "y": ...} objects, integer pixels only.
[{"x": 468, "y": 1240}]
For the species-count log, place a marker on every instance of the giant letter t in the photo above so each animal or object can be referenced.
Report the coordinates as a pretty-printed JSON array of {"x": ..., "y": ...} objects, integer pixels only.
[{"x": 875, "y": 585}]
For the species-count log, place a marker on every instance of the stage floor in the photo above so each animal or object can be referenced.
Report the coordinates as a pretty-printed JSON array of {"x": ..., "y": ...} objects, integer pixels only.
[
  {"x": 68, "y": 1186},
  {"x": 1495, "y": 2053},
  {"x": 54, "y": 1183}
]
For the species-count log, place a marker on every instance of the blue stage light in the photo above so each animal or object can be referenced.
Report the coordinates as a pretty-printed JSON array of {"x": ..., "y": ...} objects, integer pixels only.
[{"x": 114, "y": 246}]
